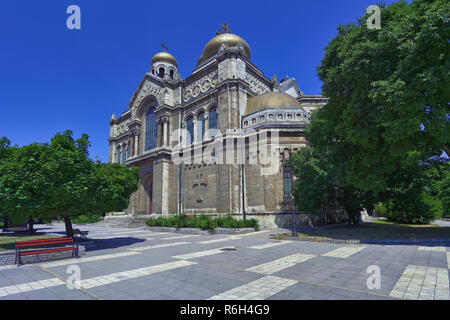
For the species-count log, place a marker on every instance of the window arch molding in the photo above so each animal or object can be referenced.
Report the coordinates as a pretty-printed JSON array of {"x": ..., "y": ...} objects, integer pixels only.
[
  {"x": 148, "y": 137},
  {"x": 190, "y": 128},
  {"x": 148, "y": 102}
]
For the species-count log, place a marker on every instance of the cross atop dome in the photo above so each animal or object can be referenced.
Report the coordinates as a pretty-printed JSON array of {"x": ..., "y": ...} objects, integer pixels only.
[
  {"x": 164, "y": 46},
  {"x": 225, "y": 29}
]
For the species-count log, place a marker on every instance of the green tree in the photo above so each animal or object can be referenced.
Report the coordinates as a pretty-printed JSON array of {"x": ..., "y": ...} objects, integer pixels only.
[
  {"x": 82, "y": 186},
  {"x": 438, "y": 186},
  {"x": 23, "y": 182},
  {"x": 314, "y": 186},
  {"x": 6, "y": 154},
  {"x": 59, "y": 179},
  {"x": 388, "y": 95}
]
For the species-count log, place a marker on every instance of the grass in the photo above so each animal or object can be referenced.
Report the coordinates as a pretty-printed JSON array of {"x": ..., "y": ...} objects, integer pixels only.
[
  {"x": 7, "y": 242},
  {"x": 376, "y": 230},
  {"x": 87, "y": 218}
]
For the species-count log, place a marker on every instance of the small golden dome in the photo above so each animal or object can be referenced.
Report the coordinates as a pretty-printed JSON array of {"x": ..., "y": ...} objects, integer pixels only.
[
  {"x": 165, "y": 57},
  {"x": 213, "y": 46},
  {"x": 271, "y": 100}
]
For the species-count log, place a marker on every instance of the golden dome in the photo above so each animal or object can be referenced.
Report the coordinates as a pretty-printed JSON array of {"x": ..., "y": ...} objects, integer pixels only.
[
  {"x": 213, "y": 46},
  {"x": 164, "y": 57},
  {"x": 272, "y": 100}
]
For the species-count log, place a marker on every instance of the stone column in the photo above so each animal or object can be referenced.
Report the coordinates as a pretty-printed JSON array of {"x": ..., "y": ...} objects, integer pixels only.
[
  {"x": 165, "y": 188},
  {"x": 165, "y": 131},
  {"x": 136, "y": 143},
  {"x": 207, "y": 125},
  {"x": 158, "y": 135},
  {"x": 195, "y": 137},
  {"x": 112, "y": 151},
  {"x": 184, "y": 134}
]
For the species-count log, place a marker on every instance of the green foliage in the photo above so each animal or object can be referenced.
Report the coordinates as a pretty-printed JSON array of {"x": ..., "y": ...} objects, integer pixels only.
[
  {"x": 314, "y": 185},
  {"x": 87, "y": 218},
  {"x": 434, "y": 204},
  {"x": 203, "y": 222},
  {"x": 388, "y": 91},
  {"x": 381, "y": 209},
  {"x": 387, "y": 114},
  {"x": 59, "y": 179},
  {"x": 438, "y": 178},
  {"x": 444, "y": 191},
  {"x": 409, "y": 210}
]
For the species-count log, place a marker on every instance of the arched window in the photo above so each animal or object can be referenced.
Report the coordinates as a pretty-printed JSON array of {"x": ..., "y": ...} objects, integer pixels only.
[
  {"x": 118, "y": 156},
  {"x": 150, "y": 129},
  {"x": 161, "y": 72},
  {"x": 212, "y": 121},
  {"x": 190, "y": 130},
  {"x": 171, "y": 74},
  {"x": 201, "y": 126},
  {"x": 213, "y": 118},
  {"x": 124, "y": 154}
]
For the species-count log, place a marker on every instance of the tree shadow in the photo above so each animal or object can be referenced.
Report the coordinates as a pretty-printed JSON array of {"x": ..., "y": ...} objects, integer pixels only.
[
  {"x": 109, "y": 243},
  {"x": 370, "y": 232}
]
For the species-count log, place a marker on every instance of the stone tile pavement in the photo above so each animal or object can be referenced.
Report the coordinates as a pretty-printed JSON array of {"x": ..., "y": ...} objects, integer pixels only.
[{"x": 139, "y": 264}]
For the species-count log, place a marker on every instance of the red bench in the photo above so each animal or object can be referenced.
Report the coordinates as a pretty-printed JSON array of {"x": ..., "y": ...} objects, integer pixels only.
[{"x": 44, "y": 246}]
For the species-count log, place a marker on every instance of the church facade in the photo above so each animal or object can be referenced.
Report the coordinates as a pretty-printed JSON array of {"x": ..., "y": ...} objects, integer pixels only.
[{"x": 199, "y": 140}]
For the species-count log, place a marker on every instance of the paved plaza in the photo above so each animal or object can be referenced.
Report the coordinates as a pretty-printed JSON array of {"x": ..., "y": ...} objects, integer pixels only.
[{"x": 141, "y": 264}]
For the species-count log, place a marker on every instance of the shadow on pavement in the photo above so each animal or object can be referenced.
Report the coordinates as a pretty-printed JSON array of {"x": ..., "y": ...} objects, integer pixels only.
[{"x": 110, "y": 243}]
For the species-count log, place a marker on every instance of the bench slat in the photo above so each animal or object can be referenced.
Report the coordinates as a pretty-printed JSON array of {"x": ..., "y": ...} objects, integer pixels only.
[
  {"x": 42, "y": 240},
  {"x": 42, "y": 243},
  {"x": 27, "y": 253}
]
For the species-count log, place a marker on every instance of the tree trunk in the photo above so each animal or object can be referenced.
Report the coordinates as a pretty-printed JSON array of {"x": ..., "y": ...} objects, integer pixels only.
[
  {"x": 5, "y": 222},
  {"x": 30, "y": 224},
  {"x": 68, "y": 223}
]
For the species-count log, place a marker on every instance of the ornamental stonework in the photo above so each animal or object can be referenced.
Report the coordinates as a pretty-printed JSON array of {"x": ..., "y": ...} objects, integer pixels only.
[
  {"x": 255, "y": 85},
  {"x": 122, "y": 128},
  {"x": 147, "y": 89},
  {"x": 202, "y": 85}
]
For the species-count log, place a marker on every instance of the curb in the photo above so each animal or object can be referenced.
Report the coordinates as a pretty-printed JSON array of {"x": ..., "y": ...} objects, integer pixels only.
[
  {"x": 433, "y": 242},
  {"x": 199, "y": 231}
]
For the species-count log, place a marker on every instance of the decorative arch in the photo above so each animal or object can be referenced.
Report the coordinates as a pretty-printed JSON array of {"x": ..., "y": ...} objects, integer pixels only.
[
  {"x": 148, "y": 102},
  {"x": 200, "y": 110},
  {"x": 201, "y": 125},
  {"x": 213, "y": 116},
  {"x": 188, "y": 115},
  {"x": 190, "y": 128},
  {"x": 146, "y": 114}
]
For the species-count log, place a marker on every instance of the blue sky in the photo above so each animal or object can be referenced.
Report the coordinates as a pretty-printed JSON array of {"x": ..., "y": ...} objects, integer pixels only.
[{"x": 53, "y": 79}]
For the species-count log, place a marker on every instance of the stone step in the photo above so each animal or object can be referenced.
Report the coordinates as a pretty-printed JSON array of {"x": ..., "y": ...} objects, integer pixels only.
[{"x": 122, "y": 222}]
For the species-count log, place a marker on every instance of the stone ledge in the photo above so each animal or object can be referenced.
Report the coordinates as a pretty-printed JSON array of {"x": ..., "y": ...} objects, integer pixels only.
[{"x": 199, "y": 231}]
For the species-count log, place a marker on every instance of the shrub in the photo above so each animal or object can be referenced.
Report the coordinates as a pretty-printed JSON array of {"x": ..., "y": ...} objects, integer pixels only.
[
  {"x": 203, "y": 222},
  {"x": 380, "y": 209},
  {"x": 87, "y": 218},
  {"x": 435, "y": 205},
  {"x": 409, "y": 210}
]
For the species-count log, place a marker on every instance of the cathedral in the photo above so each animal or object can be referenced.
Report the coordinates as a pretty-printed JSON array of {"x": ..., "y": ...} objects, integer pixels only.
[{"x": 225, "y": 106}]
